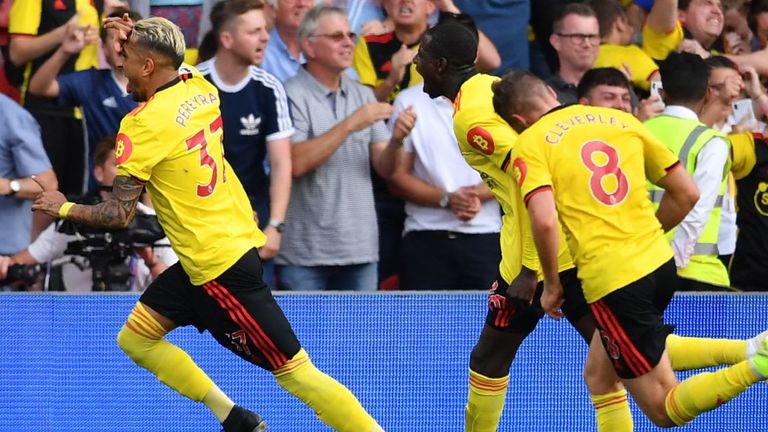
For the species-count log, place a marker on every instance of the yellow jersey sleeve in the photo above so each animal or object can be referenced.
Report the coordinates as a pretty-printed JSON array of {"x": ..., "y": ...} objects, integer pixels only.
[
  {"x": 744, "y": 159},
  {"x": 24, "y": 17},
  {"x": 658, "y": 45}
]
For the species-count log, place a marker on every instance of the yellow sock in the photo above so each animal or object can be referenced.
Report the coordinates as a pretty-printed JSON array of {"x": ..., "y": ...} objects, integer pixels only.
[
  {"x": 333, "y": 403},
  {"x": 694, "y": 353},
  {"x": 485, "y": 402},
  {"x": 612, "y": 410},
  {"x": 707, "y": 391},
  {"x": 142, "y": 339}
]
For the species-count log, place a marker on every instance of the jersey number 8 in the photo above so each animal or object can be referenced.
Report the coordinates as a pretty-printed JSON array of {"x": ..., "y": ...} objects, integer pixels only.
[{"x": 600, "y": 172}]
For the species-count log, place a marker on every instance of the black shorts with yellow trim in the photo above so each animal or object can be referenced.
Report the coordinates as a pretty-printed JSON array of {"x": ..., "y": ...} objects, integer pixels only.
[
  {"x": 237, "y": 308},
  {"x": 513, "y": 316},
  {"x": 630, "y": 321}
]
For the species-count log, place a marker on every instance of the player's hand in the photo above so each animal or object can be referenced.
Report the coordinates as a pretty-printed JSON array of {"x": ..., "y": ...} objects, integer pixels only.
[
  {"x": 404, "y": 125},
  {"x": 369, "y": 114},
  {"x": 48, "y": 202},
  {"x": 123, "y": 25},
  {"x": 523, "y": 286},
  {"x": 272, "y": 247},
  {"x": 552, "y": 299}
]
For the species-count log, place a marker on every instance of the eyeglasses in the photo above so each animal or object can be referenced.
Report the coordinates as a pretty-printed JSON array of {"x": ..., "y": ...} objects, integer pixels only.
[
  {"x": 338, "y": 36},
  {"x": 580, "y": 38}
]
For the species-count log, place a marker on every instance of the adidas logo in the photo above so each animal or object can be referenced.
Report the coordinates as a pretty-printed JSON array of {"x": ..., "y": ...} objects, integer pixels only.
[
  {"x": 250, "y": 125},
  {"x": 109, "y": 102}
]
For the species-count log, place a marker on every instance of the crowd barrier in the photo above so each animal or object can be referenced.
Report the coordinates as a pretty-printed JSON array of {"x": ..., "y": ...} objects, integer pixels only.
[{"x": 404, "y": 355}]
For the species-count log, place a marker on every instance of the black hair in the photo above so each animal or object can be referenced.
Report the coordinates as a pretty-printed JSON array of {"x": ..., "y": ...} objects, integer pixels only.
[
  {"x": 453, "y": 40},
  {"x": 684, "y": 77},
  {"x": 221, "y": 14},
  {"x": 601, "y": 76}
]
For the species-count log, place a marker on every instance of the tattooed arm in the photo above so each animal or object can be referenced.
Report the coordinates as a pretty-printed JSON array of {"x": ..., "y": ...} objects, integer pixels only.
[{"x": 114, "y": 213}]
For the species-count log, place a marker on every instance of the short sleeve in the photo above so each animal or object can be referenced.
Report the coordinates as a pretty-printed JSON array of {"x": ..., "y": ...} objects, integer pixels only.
[
  {"x": 23, "y": 134},
  {"x": 300, "y": 119},
  {"x": 279, "y": 125},
  {"x": 135, "y": 149}
]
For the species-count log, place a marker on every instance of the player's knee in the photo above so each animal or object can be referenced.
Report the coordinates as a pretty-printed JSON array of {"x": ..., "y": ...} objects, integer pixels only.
[
  {"x": 599, "y": 382},
  {"x": 133, "y": 344}
]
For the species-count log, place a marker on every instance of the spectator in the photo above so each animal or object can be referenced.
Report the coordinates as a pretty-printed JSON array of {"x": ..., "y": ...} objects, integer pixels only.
[
  {"x": 257, "y": 124},
  {"x": 330, "y": 239},
  {"x": 608, "y": 87},
  {"x": 21, "y": 156},
  {"x": 705, "y": 154},
  {"x": 101, "y": 93},
  {"x": 143, "y": 266},
  {"x": 576, "y": 39},
  {"x": 6, "y": 66},
  {"x": 616, "y": 48},
  {"x": 385, "y": 61},
  {"x": 725, "y": 88},
  {"x": 451, "y": 237},
  {"x": 284, "y": 56},
  {"x": 37, "y": 28}
]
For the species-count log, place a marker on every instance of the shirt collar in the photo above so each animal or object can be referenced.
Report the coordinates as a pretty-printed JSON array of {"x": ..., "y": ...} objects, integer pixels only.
[
  {"x": 681, "y": 112},
  {"x": 320, "y": 90},
  {"x": 277, "y": 42}
]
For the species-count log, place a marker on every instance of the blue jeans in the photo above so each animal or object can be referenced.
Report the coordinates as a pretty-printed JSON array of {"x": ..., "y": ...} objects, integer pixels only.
[{"x": 354, "y": 277}]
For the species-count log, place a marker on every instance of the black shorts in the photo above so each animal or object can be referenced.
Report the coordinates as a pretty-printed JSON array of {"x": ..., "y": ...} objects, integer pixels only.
[
  {"x": 631, "y": 324},
  {"x": 237, "y": 308},
  {"x": 521, "y": 317}
]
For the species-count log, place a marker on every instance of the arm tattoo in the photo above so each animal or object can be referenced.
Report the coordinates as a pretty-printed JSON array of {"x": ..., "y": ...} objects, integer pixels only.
[{"x": 117, "y": 211}]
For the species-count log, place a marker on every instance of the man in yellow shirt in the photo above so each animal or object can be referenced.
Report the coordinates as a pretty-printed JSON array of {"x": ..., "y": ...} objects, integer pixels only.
[
  {"x": 172, "y": 146},
  {"x": 588, "y": 166}
]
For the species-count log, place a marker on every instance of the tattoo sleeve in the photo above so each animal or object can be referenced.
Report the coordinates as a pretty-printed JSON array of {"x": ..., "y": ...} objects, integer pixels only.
[{"x": 117, "y": 211}]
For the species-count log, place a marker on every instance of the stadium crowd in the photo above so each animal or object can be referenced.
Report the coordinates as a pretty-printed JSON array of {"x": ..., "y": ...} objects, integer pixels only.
[{"x": 353, "y": 172}]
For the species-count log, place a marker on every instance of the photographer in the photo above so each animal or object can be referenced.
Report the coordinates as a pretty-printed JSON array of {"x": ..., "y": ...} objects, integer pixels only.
[{"x": 144, "y": 264}]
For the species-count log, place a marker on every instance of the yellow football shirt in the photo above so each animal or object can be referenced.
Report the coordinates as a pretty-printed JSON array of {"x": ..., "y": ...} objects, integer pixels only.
[
  {"x": 173, "y": 142},
  {"x": 486, "y": 142},
  {"x": 596, "y": 160}
]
